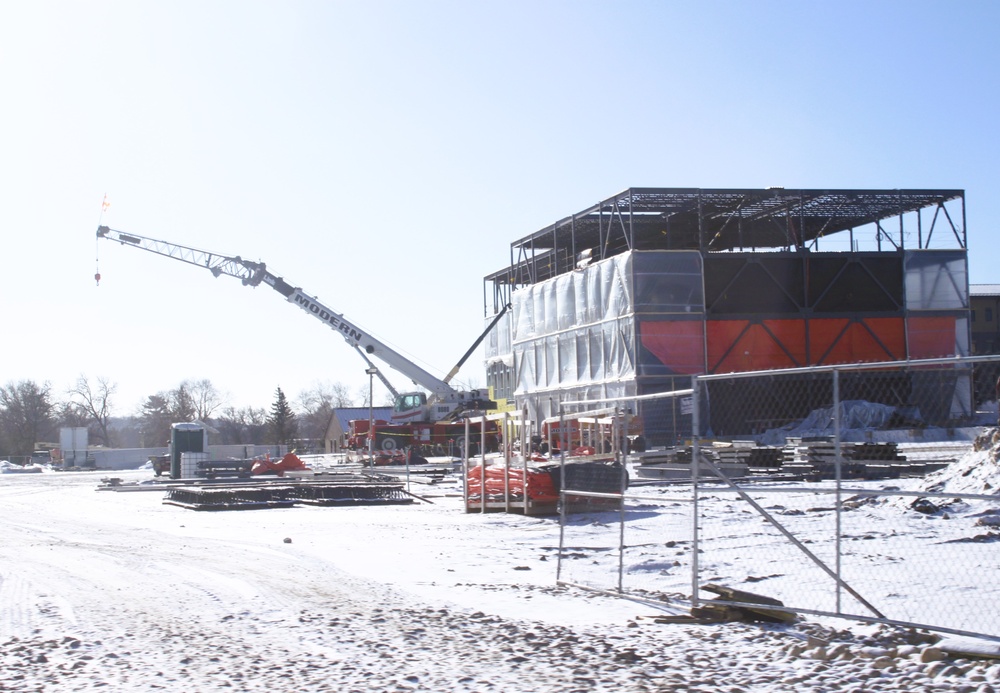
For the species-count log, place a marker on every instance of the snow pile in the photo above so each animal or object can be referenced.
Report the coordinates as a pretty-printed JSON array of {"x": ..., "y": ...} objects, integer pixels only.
[
  {"x": 975, "y": 473},
  {"x": 7, "y": 467},
  {"x": 978, "y": 472}
]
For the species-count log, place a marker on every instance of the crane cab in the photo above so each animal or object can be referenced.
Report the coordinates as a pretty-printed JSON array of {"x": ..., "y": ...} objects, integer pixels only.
[
  {"x": 417, "y": 407},
  {"x": 410, "y": 406}
]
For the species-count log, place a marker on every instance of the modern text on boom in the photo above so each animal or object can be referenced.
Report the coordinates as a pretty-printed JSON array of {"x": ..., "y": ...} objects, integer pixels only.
[{"x": 326, "y": 316}]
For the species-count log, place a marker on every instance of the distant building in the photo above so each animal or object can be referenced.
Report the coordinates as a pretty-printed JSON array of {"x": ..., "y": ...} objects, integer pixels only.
[
  {"x": 984, "y": 319},
  {"x": 984, "y": 300}
]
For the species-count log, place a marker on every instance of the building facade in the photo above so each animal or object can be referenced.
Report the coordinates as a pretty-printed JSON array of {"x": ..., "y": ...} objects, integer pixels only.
[
  {"x": 984, "y": 300},
  {"x": 635, "y": 295}
]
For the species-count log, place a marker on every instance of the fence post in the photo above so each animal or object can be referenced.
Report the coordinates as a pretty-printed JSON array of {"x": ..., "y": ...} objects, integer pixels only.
[
  {"x": 837, "y": 458},
  {"x": 695, "y": 464},
  {"x": 562, "y": 493},
  {"x": 619, "y": 434},
  {"x": 482, "y": 468},
  {"x": 505, "y": 441}
]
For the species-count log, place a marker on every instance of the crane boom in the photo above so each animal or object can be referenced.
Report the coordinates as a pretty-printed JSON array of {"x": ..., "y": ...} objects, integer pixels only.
[
  {"x": 255, "y": 273},
  {"x": 378, "y": 373}
]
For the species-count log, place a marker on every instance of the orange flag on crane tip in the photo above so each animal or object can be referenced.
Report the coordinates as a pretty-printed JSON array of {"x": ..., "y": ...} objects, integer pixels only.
[{"x": 105, "y": 203}]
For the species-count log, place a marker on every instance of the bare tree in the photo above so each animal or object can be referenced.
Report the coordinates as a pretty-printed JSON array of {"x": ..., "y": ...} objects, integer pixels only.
[
  {"x": 94, "y": 402},
  {"x": 26, "y": 415},
  {"x": 336, "y": 395},
  {"x": 363, "y": 396},
  {"x": 204, "y": 397},
  {"x": 317, "y": 406},
  {"x": 341, "y": 396},
  {"x": 382, "y": 397},
  {"x": 69, "y": 415},
  {"x": 244, "y": 425}
]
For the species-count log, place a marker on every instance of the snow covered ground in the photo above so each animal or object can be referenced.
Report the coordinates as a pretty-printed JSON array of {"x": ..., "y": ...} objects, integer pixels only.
[
  {"x": 103, "y": 590},
  {"x": 907, "y": 555}
]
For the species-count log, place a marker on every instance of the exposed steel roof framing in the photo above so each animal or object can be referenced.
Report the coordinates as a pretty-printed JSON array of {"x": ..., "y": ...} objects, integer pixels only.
[{"x": 730, "y": 220}]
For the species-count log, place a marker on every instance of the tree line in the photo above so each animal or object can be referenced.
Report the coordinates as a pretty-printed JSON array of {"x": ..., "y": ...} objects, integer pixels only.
[{"x": 32, "y": 413}]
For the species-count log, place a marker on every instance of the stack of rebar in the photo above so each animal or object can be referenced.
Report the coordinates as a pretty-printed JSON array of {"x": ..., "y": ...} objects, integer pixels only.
[{"x": 287, "y": 494}]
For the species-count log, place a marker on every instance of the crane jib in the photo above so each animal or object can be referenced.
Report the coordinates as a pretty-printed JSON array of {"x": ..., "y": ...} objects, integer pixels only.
[{"x": 350, "y": 332}]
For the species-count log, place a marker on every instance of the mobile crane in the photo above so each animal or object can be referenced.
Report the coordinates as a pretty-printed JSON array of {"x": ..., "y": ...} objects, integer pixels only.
[{"x": 416, "y": 417}]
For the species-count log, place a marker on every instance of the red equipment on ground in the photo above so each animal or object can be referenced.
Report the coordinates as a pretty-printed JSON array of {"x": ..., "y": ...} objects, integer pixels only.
[
  {"x": 289, "y": 463},
  {"x": 537, "y": 484}
]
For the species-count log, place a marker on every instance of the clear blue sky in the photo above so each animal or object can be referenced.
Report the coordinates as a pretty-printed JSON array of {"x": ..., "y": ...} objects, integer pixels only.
[{"x": 383, "y": 155}]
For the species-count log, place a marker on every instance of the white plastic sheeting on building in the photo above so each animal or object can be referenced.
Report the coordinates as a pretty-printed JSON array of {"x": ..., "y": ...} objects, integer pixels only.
[
  {"x": 574, "y": 337},
  {"x": 937, "y": 292},
  {"x": 937, "y": 280},
  {"x": 576, "y": 329}
]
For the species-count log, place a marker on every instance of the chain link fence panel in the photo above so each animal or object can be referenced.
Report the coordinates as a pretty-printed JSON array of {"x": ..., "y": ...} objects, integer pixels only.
[{"x": 868, "y": 492}]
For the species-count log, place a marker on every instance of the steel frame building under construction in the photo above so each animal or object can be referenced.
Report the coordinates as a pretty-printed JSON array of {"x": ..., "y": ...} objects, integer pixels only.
[{"x": 639, "y": 292}]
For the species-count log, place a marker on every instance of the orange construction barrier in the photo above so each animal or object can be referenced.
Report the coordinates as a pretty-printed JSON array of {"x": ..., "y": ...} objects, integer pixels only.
[{"x": 540, "y": 486}]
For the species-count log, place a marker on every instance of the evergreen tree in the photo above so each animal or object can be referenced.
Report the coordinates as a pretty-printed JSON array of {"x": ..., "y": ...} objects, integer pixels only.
[
  {"x": 162, "y": 410},
  {"x": 282, "y": 424},
  {"x": 156, "y": 419}
]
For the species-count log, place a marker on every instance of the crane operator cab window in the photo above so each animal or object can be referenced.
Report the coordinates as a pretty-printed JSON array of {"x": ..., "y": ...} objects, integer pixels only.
[{"x": 410, "y": 401}]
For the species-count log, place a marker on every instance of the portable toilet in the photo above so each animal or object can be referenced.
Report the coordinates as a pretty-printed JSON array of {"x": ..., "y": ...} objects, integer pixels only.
[{"x": 185, "y": 437}]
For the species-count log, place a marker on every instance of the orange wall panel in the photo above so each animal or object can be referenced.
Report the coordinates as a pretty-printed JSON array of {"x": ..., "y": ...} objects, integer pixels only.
[
  {"x": 678, "y": 344},
  {"x": 834, "y": 340},
  {"x": 753, "y": 346},
  {"x": 931, "y": 337},
  {"x": 740, "y": 345}
]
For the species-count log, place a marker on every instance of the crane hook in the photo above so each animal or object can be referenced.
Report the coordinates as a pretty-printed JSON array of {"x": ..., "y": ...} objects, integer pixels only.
[{"x": 97, "y": 246}]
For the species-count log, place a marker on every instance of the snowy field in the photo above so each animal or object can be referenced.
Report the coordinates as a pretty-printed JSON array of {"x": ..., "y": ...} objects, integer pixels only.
[
  {"x": 103, "y": 590},
  {"x": 906, "y": 555}
]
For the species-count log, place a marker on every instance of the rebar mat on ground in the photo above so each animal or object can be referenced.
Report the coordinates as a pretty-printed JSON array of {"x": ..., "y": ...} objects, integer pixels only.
[
  {"x": 346, "y": 494},
  {"x": 284, "y": 496}
]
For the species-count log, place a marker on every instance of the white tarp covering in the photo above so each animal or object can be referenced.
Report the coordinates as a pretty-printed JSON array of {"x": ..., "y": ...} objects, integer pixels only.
[
  {"x": 854, "y": 415},
  {"x": 576, "y": 329},
  {"x": 574, "y": 336},
  {"x": 936, "y": 280}
]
